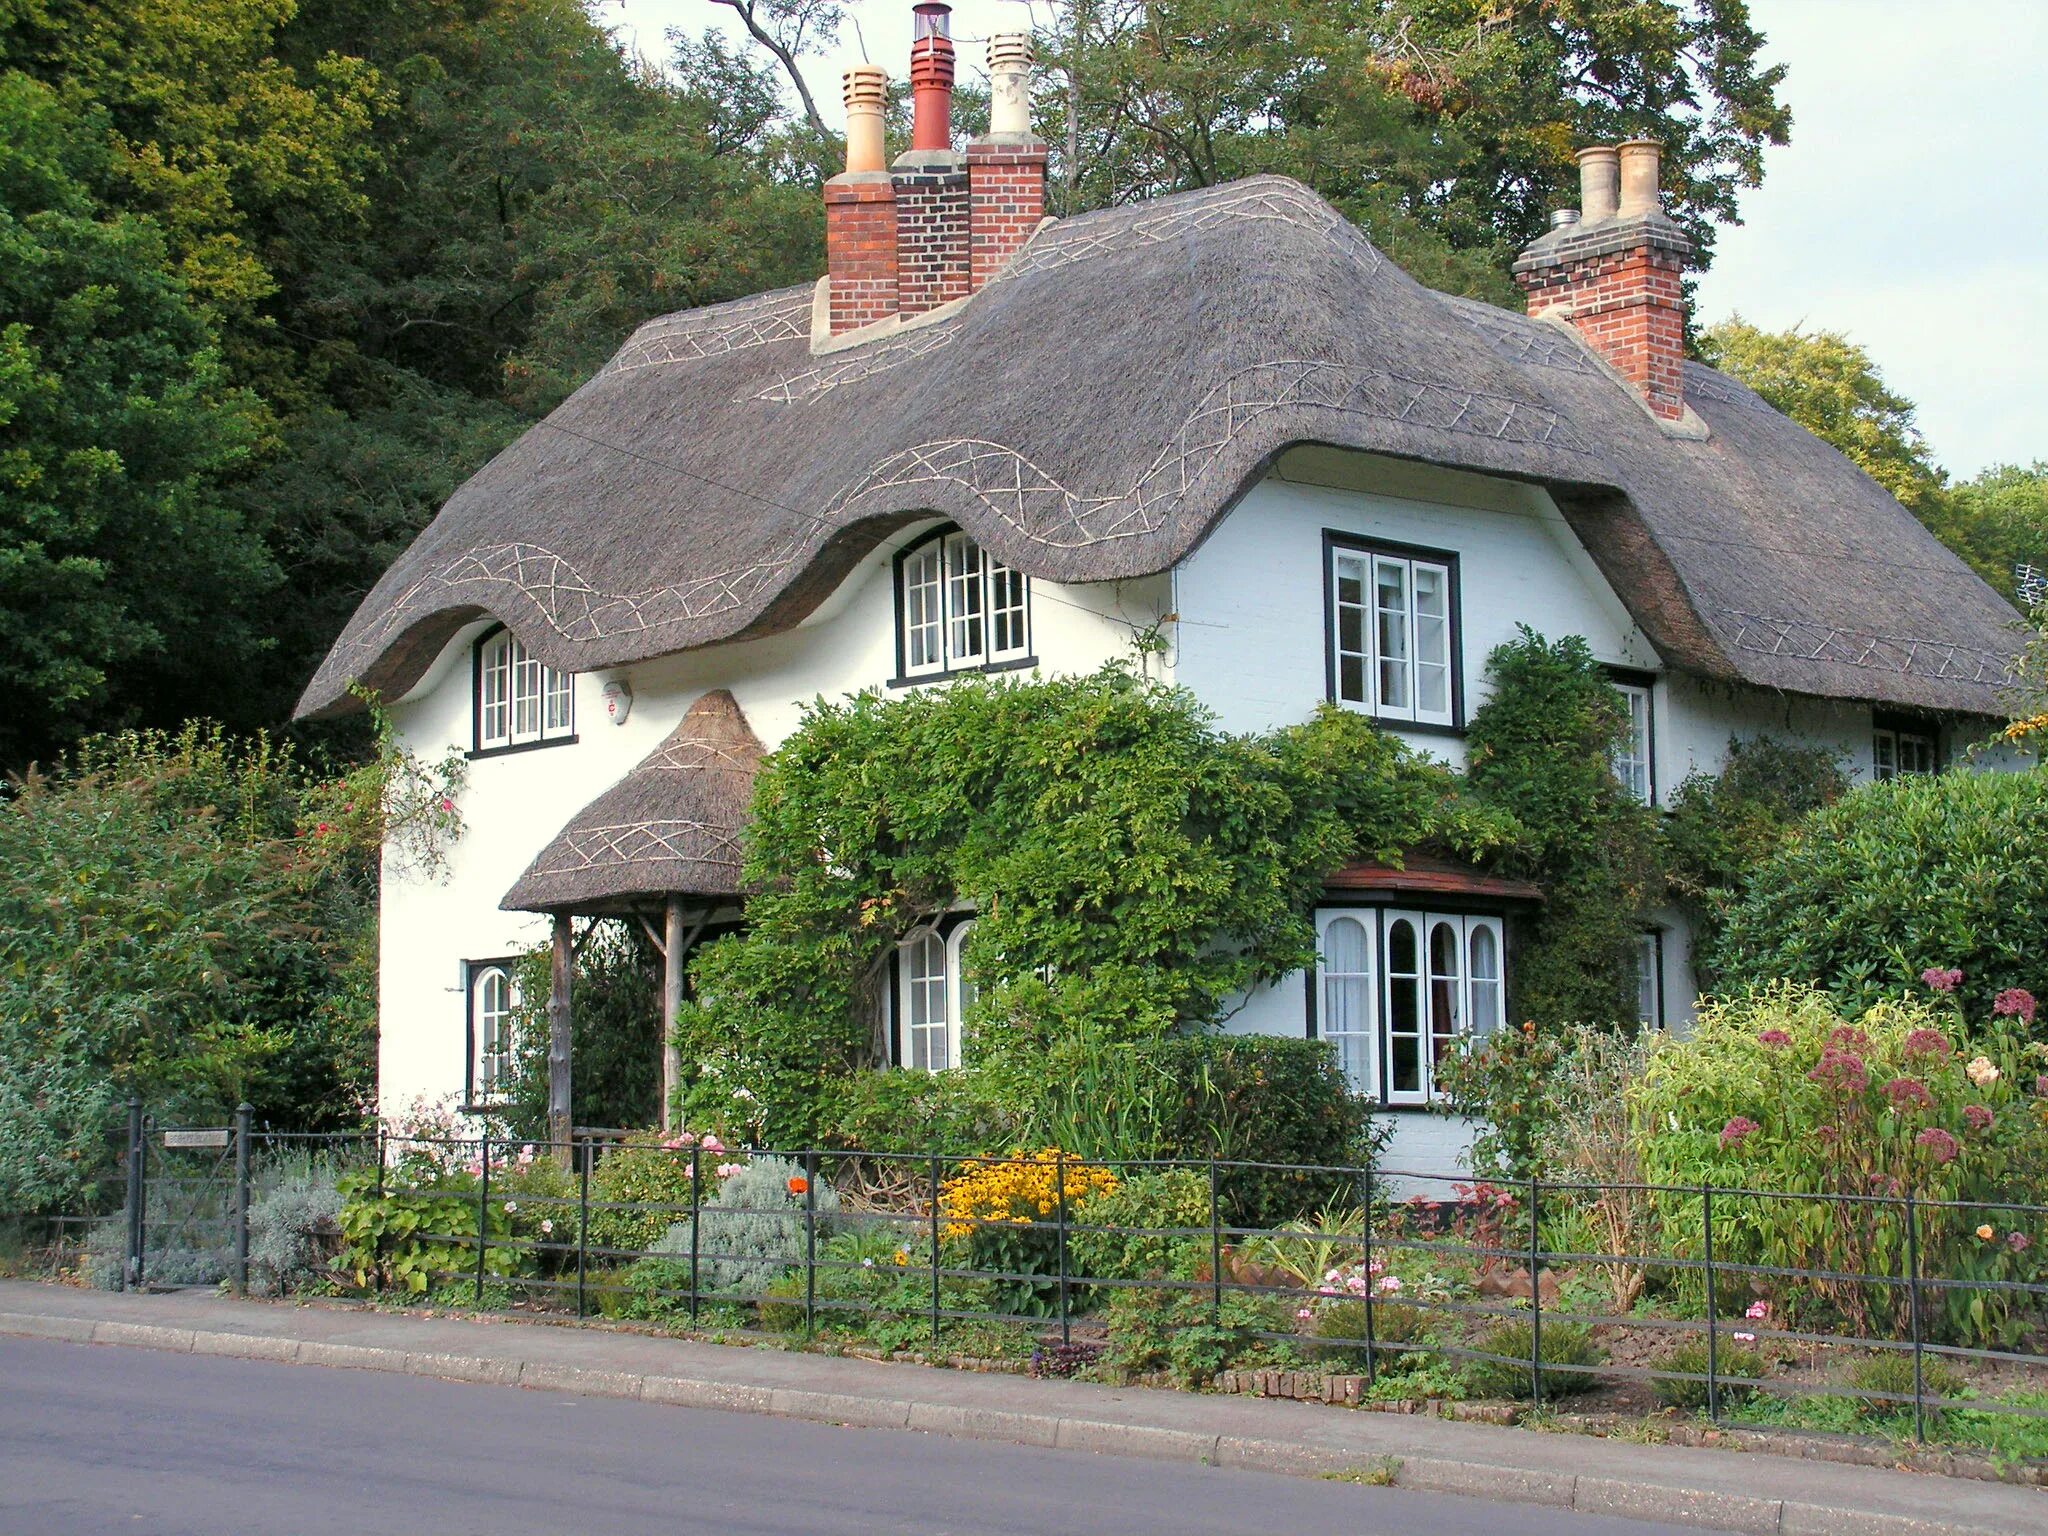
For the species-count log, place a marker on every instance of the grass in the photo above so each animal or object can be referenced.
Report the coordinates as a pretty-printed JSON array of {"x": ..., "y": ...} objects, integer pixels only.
[
  {"x": 1380, "y": 1472},
  {"x": 2007, "y": 1437}
]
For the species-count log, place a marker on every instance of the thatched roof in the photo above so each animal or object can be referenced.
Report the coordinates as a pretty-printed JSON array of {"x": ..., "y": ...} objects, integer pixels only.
[
  {"x": 1095, "y": 409},
  {"x": 671, "y": 826}
]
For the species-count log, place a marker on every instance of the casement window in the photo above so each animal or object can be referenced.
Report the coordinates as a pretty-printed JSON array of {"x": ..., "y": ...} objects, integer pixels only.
[
  {"x": 1634, "y": 763},
  {"x": 1650, "y": 978},
  {"x": 519, "y": 702},
  {"x": 933, "y": 994},
  {"x": 491, "y": 989},
  {"x": 1397, "y": 991},
  {"x": 1393, "y": 641},
  {"x": 1898, "y": 747},
  {"x": 958, "y": 609}
]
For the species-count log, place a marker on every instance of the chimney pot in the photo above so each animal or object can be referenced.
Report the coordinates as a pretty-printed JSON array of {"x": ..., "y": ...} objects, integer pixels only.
[
  {"x": 1009, "y": 84},
  {"x": 866, "y": 89},
  {"x": 1562, "y": 217},
  {"x": 1599, "y": 182},
  {"x": 1640, "y": 193},
  {"x": 931, "y": 77}
]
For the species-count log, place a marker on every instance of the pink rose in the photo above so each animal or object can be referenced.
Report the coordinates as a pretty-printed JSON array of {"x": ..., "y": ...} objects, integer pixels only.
[{"x": 713, "y": 1145}]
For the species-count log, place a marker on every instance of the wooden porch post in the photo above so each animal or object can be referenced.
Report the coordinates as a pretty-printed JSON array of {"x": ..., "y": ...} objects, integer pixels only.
[
  {"x": 559, "y": 1018},
  {"x": 675, "y": 950}
]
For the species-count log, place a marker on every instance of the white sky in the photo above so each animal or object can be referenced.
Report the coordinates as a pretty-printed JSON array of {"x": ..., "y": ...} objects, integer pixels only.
[{"x": 1910, "y": 209}]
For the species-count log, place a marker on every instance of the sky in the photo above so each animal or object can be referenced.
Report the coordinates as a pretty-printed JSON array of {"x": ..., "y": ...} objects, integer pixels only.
[{"x": 1910, "y": 210}]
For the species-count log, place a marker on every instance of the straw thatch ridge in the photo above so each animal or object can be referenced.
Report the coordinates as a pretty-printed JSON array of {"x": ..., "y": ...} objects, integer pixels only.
[
  {"x": 671, "y": 826},
  {"x": 1092, "y": 413}
]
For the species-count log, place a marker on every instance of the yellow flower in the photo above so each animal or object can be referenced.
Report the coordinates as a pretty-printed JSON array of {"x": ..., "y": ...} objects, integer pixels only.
[{"x": 1985, "y": 1232}]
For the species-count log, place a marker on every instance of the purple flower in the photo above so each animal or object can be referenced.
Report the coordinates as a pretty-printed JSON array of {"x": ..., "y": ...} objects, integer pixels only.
[
  {"x": 1738, "y": 1127},
  {"x": 1847, "y": 1037},
  {"x": 1977, "y": 1117},
  {"x": 1928, "y": 1042},
  {"x": 1773, "y": 1039},
  {"x": 1939, "y": 1144},
  {"x": 1908, "y": 1093},
  {"x": 2014, "y": 1003},
  {"x": 2018, "y": 1243},
  {"x": 1842, "y": 1072},
  {"x": 1941, "y": 980}
]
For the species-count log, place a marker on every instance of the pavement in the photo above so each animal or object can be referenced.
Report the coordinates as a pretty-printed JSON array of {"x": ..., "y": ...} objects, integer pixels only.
[{"x": 1679, "y": 1486}]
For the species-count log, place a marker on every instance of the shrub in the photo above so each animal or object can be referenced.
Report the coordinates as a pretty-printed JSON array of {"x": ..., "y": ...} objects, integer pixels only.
[
  {"x": 420, "y": 1236},
  {"x": 1184, "y": 1332},
  {"x": 1341, "y": 1327},
  {"x": 640, "y": 1186},
  {"x": 954, "y": 1112},
  {"x": 1563, "y": 1344},
  {"x": 753, "y": 1229},
  {"x": 1892, "y": 1372},
  {"x": 1897, "y": 877},
  {"x": 615, "y": 1034},
  {"x": 1001, "y": 1210},
  {"x": 1779, "y": 1091},
  {"x": 291, "y": 1221},
  {"x": 1504, "y": 1087},
  {"x": 1157, "y": 1202},
  {"x": 1690, "y": 1359}
]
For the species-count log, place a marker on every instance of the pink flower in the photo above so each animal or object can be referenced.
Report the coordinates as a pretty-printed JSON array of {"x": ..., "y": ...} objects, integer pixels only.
[
  {"x": 1982, "y": 1071},
  {"x": 2041, "y": 1085},
  {"x": 2018, "y": 1243},
  {"x": 447, "y": 804},
  {"x": 1927, "y": 1042},
  {"x": 1908, "y": 1093},
  {"x": 1304, "y": 1315},
  {"x": 1773, "y": 1039},
  {"x": 1758, "y": 1311},
  {"x": 1847, "y": 1037},
  {"x": 713, "y": 1145},
  {"x": 1841, "y": 1071},
  {"x": 1977, "y": 1117},
  {"x": 1939, "y": 1144},
  {"x": 2014, "y": 1003},
  {"x": 1390, "y": 1284},
  {"x": 1738, "y": 1127},
  {"x": 1941, "y": 980},
  {"x": 1745, "y": 1338},
  {"x": 727, "y": 1170}
]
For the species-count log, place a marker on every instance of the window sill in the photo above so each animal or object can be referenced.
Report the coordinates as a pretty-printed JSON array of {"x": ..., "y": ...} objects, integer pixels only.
[
  {"x": 1017, "y": 664},
  {"x": 1396, "y": 723},
  {"x": 476, "y": 753}
]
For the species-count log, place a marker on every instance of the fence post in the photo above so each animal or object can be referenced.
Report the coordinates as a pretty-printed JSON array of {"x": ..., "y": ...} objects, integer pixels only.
[
  {"x": 935, "y": 1247},
  {"x": 810, "y": 1244},
  {"x": 1215, "y": 1251},
  {"x": 377, "y": 1243},
  {"x": 1059, "y": 1176},
  {"x": 1913, "y": 1302},
  {"x": 1535, "y": 1300},
  {"x": 582, "y": 1230},
  {"x": 243, "y": 1112},
  {"x": 483, "y": 1209},
  {"x": 696, "y": 1221},
  {"x": 1365, "y": 1260},
  {"x": 1713, "y": 1306},
  {"x": 131, "y": 1255}
]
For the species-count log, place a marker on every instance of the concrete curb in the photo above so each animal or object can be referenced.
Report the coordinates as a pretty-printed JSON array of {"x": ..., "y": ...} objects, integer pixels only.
[{"x": 1673, "y": 1504}]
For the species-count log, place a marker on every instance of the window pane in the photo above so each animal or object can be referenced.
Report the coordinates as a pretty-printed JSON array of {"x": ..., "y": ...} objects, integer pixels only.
[
  {"x": 1347, "y": 1000},
  {"x": 557, "y": 717},
  {"x": 964, "y": 635},
  {"x": 1352, "y": 659},
  {"x": 1482, "y": 947},
  {"x": 924, "y": 996},
  {"x": 921, "y": 602},
  {"x": 1390, "y": 634},
  {"x": 1646, "y": 980},
  {"x": 494, "y": 685},
  {"x": 1432, "y": 641},
  {"x": 1007, "y": 633},
  {"x": 1632, "y": 760},
  {"x": 525, "y": 695},
  {"x": 1404, "y": 1008},
  {"x": 1446, "y": 989}
]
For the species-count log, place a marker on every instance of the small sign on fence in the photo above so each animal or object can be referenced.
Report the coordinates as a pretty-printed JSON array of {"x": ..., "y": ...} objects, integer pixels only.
[{"x": 213, "y": 1138}]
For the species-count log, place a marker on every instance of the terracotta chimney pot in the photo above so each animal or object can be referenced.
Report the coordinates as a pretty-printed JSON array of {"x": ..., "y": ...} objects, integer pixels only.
[
  {"x": 866, "y": 94},
  {"x": 931, "y": 77}
]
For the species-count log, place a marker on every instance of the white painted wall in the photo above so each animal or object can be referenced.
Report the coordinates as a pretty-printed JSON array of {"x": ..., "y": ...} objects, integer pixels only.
[{"x": 514, "y": 803}]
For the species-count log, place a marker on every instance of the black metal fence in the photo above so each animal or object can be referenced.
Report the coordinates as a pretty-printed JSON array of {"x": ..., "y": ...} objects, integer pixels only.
[{"x": 900, "y": 1245}]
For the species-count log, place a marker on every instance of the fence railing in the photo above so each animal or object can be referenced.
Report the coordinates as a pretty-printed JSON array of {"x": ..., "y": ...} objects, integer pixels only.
[{"x": 1368, "y": 1271}]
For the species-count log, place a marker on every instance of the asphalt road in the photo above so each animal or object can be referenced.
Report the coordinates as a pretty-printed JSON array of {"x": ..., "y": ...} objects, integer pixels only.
[{"x": 101, "y": 1439}]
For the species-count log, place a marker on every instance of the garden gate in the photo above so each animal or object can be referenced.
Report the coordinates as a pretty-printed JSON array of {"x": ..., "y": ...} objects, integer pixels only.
[{"x": 187, "y": 1205}]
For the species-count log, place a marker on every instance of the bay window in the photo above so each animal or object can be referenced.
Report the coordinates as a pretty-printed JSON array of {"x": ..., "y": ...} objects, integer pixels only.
[
  {"x": 1393, "y": 631},
  {"x": 958, "y": 608},
  {"x": 1399, "y": 990},
  {"x": 519, "y": 701}
]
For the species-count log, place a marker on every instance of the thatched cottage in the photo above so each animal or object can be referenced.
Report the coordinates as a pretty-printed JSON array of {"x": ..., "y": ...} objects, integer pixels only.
[{"x": 986, "y": 440}]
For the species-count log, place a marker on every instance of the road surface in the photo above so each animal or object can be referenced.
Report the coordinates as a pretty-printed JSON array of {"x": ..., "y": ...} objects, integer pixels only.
[{"x": 101, "y": 1439}]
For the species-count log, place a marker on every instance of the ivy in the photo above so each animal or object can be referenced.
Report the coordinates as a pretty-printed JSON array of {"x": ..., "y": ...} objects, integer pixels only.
[{"x": 1132, "y": 869}]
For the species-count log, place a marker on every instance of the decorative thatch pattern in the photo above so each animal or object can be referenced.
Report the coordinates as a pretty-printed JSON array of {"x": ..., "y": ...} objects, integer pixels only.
[
  {"x": 672, "y": 826},
  {"x": 1090, "y": 414}
]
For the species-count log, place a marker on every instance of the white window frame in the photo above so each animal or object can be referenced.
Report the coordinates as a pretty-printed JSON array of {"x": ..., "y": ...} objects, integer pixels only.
[
  {"x": 1453, "y": 1004},
  {"x": 958, "y": 608},
  {"x": 1390, "y": 658},
  {"x": 491, "y": 999},
  {"x": 1891, "y": 746},
  {"x": 519, "y": 701},
  {"x": 919, "y": 988},
  {"x": 1635, "y": 764},
  {"x": 1650, "y": 978}
]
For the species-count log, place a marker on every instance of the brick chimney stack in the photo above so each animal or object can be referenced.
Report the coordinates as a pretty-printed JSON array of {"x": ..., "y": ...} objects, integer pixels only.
[
  {"x": 1613, "y": 267},
  {"x": 903, "y": 239}
]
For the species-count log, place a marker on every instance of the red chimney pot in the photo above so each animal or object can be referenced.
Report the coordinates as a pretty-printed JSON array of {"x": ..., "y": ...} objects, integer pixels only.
[{"x": 931, "y": 77}]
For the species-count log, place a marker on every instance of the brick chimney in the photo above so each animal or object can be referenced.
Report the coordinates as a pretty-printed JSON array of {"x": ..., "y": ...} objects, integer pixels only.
[
  {"x": 1006, "y": 166},
  {"x": 903, "y": 239},
  {"x": 860, "y": 212},
  {"x": 1613, "y": 267}
]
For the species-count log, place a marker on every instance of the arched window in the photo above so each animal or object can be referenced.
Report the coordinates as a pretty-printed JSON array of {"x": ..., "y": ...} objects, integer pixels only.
[
  {"x": 959, "y": 609},
  {"x": 930, "y": 1032},
  {"x": 493, "y": 1002},
  {"x": 1348, "y": 1021},
  {"x": 519, "y": 702},
  {"x": 1398, "y": 992}
]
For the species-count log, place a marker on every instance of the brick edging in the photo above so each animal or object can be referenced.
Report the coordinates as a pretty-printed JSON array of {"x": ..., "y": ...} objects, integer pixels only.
[{"x": 1433, "y": 1474}]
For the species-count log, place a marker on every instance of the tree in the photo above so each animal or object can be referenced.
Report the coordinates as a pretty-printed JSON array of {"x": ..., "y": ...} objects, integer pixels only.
[
  {"x": 1999, "y": 523},
  {"x": 128, "y": 582}
]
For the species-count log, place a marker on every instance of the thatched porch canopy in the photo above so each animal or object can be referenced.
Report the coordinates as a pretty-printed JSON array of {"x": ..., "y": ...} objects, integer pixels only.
[{"x": 671, "y": 827}]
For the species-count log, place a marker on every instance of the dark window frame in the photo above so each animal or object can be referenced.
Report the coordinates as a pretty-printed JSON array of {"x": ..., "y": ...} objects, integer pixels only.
[
  {"x": 476, "y": 705},
  {"x": 1335, "y": 539},
  {"x": 904, "y": 678},
  {"x": 1899, "y": 723},
  {"x": 1634, "y": 677}
]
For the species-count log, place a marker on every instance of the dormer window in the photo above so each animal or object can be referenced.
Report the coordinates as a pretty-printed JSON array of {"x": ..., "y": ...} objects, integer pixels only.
[
  {"x": 1393, "y": 644},
  {"x": 520, "y": 702},
  {"x": 958, "y": 609}
]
